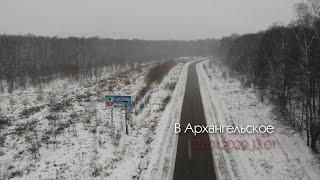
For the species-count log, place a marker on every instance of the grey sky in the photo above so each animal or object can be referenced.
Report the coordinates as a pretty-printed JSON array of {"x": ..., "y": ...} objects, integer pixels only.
[{"x": 142, "y": 19}]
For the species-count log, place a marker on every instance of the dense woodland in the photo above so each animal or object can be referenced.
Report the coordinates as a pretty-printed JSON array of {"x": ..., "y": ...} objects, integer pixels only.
[
  {"x": 283, "y": 62},
  {"x": 35, "y": 60}
]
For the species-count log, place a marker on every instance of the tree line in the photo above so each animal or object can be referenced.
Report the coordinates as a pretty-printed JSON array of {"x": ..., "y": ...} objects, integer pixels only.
[
  {"x": 30, "y": 59},
  {"x": 284, "y": 63}
]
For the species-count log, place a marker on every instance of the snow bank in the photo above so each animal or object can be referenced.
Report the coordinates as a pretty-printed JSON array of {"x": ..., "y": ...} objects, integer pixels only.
[{"x": 227, "y": 103}]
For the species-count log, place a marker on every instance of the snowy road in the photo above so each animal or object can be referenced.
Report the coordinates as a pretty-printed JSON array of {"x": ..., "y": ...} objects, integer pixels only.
[
  {"x": 190, "y": 163},
  {"x": 204, "y": 97}
]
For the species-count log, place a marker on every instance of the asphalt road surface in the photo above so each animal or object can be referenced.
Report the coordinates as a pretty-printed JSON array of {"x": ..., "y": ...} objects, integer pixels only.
[{"x": 191, "y": 163}]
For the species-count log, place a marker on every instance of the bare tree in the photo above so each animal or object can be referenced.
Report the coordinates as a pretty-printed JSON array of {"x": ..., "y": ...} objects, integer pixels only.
[{"x": 307, "y": 36}]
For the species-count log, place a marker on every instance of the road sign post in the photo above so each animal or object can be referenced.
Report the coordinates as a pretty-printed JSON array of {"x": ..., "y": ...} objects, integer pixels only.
[
  {"x": 127, "y": 119},
  {"x": 112, "y": 101},
  {"x": 111, "y": 116}
]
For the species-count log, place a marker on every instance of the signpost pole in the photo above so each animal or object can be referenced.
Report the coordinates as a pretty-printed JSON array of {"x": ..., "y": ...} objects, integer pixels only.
[
  {"x": 127, "y": 119},
  {"x": 111, "y": 116},
  {"x": 119, "y": 101}
]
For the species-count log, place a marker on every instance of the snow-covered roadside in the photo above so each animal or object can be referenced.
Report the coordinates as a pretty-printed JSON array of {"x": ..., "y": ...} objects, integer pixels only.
[
  {"x": 226, "y": 103},
  {"x": 68, "y": 125},
  {"x": 163, "y": 162},
  {"x": 165, "y": 145},
  {"x": 142, "y": 148},
  {"x": 86, "y": 145}
]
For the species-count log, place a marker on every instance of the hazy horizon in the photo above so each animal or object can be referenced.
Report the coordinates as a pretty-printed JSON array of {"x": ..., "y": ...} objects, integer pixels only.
[{"x": 142, "y": 19}]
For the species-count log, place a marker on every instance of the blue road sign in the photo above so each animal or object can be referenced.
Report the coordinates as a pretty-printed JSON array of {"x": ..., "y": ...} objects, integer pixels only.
[{"x": 118, "y": 101}]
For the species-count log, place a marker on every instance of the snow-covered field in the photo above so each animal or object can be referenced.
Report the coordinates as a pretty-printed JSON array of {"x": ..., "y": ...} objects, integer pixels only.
[
  {"x": 64, "y": 131},
  {"x": 227, "y": 103}
]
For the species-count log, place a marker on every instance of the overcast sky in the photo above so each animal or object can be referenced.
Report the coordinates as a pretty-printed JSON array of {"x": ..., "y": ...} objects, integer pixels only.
[{"x": 142, "y": 19}]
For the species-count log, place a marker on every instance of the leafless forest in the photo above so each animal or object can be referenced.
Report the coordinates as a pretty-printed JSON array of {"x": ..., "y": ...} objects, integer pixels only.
[{"x": 284, "y": 63}]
